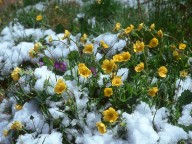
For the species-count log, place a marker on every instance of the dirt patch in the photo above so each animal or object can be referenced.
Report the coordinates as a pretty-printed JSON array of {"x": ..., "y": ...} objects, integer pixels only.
[{"x": 4, "y": 3}]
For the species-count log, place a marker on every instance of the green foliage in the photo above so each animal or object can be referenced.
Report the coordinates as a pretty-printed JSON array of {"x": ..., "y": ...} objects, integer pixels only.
[
  {"x": 185, "y": 98},
  {"x": 173, "y": 15},
  {"x": 105, "y": 10},
  {"x": 32, "y": 2}
]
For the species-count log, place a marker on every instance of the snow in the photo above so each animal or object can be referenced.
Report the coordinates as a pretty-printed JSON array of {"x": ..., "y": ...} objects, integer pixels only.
[
  {"x": 140, "y": 126},
  {"x": 182, "y": 85},
  {"x": 186, "y": 118},
  {"x": 171, "y": 134},
  {"x": 53, "y": 138},
  {"x": 123, "y": 72}
]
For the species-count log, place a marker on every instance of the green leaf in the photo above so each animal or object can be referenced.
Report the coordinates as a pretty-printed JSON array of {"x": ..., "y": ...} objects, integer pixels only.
[
  {"x": 47, "y": 61},
  {"x": 59, "y": 28},
  {"x": 185, "y": 98}
]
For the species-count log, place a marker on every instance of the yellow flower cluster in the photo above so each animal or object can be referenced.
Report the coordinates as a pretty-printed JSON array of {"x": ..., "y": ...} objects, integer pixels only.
[
  {"x": 138, "y": 46},
  {"x": 109, "y": 115},
  {"x": 16, "y": 125},
  {"x": 15, "y": 74},
  {"x": 124, "y": 56},
  {"x": 83, "y": 70},
  {"x": 60, "y": 87},
  {"x": 88, "y": 48}
]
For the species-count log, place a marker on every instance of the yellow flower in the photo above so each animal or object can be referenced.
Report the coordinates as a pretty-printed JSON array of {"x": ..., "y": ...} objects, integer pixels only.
[
  {"x": 162, "y": 71},
  {"x": 50, "y": 39},
  {"x": 139, "y": 67},
  {"x": 108, "y": 92},
  {"x": 160, "y": 33},
  {"x": 173, "y": 46},
  {"x": 175, "y": 53},
  {"x": 101, "y": 127},
  {"x": 126, "y": 56},
  {"x": 116, "y": 81},
  {"x": 99, "y": 1},
  {"x": 183, "y": 73},
  {"x": 154, "y": 42},
  {"x": 81, "y": 65},
  {"x": 83, "y": 38},
  {"x": 39, "y": 17},
  {"x": 138, "y": 46},
  {"x": 31, "y": 53},
  {"x": 15, "y": 74},
  {"x": 110, "y": 115},
  {"x": 117, "y": 58},
  {"x": 18, "y": 107},
  {"x": 20, "y": 2},
  {"x": 108, "y": 66},
  {"x": 129, "y": 29},
  {"x": 60, "y": 87},
  {"x": 152, "y": 91},
  {"x": 104, "y": 45},
  {"x": 117, "y": 26},
  {"x": 182, "y": 46},
  {"x": 140, "y": 26},
  {"x": 56, "y": 7},
  {"x": 152, "y": 26},
  {"x": 5, "y": 132},
  {"x": 83, "y": 70},
  {"x": 66, "y": 34},
  {"x": 88, "y": 48},
  {"x": 16, "y": 125},
  {"x": 36, "y": 46}
]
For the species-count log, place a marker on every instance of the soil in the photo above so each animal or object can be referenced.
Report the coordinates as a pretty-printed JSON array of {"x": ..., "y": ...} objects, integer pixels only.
[{"x": 6, "y": 2}]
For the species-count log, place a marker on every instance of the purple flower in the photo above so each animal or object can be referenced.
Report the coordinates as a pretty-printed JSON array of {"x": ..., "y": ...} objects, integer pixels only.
[
  {"x": 63, "y": 66},
  {"x": 93, "y": 70},
  {"x": 41, "y": 64},
  {"x": 60, "y": 66},
  {"x": 57, "y": 65}
]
